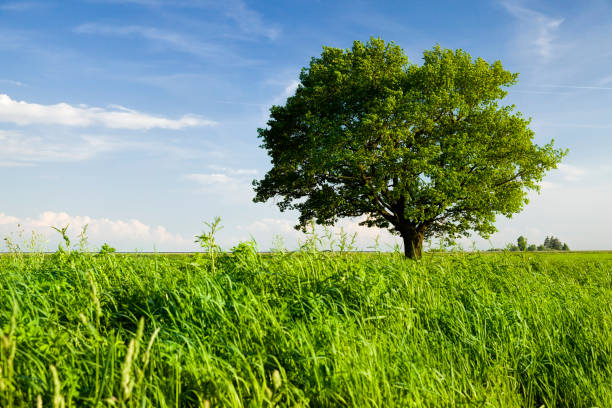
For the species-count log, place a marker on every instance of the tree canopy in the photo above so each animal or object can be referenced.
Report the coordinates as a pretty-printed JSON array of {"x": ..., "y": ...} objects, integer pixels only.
[
  {"x": 554, "y": 243},
  {"x": 521, "y": 243},
  {"x": 424, "y": 150}
]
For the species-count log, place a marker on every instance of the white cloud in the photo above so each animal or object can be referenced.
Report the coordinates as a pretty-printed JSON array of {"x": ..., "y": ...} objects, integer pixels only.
[
  {"x": 270, "y": 226},
  {"x": 25, "y": 113},
  {"x": 17, "y": 149},
  {"x": 228, "y": 178},
  {"x": 224, "y": 186},
  {"x": 8, "y": 163},
  {"x": 122, "y": 234},
  {"x": 547, "y": 185},
  {"x": 211, "y": 178},
  {"x": 571, "y": 173},
  {"x": 237, "y": 172},
  {"x": 537, "y": 29},
  {"x": 228, "y": 186},
  {"x": 7, "y": 219}
]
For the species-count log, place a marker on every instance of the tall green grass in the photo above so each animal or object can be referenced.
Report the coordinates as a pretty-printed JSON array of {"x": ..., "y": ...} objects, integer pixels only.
[{"x": 305, "y": 329}]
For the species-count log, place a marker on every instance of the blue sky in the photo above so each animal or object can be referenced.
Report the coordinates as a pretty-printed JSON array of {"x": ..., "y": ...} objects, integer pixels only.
[{"x": 139, "y": 117}]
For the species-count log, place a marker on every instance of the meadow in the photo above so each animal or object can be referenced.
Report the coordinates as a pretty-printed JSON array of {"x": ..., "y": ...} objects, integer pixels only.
[{"x": 310, "y": 328}]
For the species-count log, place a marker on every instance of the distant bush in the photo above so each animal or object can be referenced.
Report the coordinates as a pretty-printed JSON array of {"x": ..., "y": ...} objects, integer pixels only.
[
  {"x": 106, "y": 249},
  {"x": 550, "y": 244},
  {"x": 555, "y": 244},
  {"x": 521, "y": 243}
]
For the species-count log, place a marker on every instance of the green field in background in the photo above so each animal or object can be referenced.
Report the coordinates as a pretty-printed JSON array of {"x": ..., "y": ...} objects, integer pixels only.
[{"x": 306, "y": 329}]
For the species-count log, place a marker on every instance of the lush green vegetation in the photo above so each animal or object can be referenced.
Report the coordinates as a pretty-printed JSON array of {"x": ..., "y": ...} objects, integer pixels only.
[
  {"x": 305, "y": 329},
  {"x": 426, "y": 151}
]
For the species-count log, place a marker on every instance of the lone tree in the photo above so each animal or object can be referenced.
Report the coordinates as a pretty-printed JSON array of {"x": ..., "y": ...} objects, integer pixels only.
[
  {"x": 422, "y": 150},
  {"x": 521, "y": 243}
]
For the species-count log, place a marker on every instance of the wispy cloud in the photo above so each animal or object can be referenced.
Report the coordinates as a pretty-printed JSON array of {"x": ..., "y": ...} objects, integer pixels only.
[
  {"x": 287, "y": 90},
  {"x": 594, "y": 88},
  {"x": 147, "y": 3},
  {"x": 10, "y": 163},
  {"x": 207, "y": 179},
  {"x": 17, "y": 149},
  {"x": 561, "y": 89},
  {"x": 228, "y": 186},
  {"x": 11, "y": 82},
  {"x": 233, "y": 172},
  {"x": 227, "y": 177},
  {"x": 157, "y": 3},
  {"x": 538, "y": 30},
  {"x": 573, "y": 125},
  {"x": 117, "y": 117},
  {"x": 167, "y": 40},
  {"x": 247, "y": 20},
  {"x": 605, "y": 80},
  {"x": 35, "y": 147},
  {"x": 571, "y": 173},
  {"x": 19, "y": 6},
  {"x": 527, "y": 91}
]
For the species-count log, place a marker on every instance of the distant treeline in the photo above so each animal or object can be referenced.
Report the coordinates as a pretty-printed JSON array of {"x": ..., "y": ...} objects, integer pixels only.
[{"x": 550, "y": 244}]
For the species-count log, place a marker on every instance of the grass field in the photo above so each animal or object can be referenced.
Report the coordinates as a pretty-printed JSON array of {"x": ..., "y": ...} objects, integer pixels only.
[{"x": 306, "y": 329}]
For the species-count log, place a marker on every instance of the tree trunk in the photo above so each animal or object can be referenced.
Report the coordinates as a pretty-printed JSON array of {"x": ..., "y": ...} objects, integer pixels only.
[{"x": 413, "y": 244}]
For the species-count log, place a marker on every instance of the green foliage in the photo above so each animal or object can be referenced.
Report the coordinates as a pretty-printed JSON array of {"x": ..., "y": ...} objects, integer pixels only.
[
  {"x": 207, "y": 240},
  {"x": 305, "y": 329},
  {"x": 65, "y": 237},
  {"x": 346, "y": 241},
  {"x": 106, "y": 249},
  {"x": 521, "y": 243},
  {"x": 83, "y": 240},
  {"x": 19, "y": 242},
  {"x": 554, "y": 243},
  {"x": 278, "y": 244},
  {"x": 550, "y": 243},
  {"x": 422, "y": 150}
]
